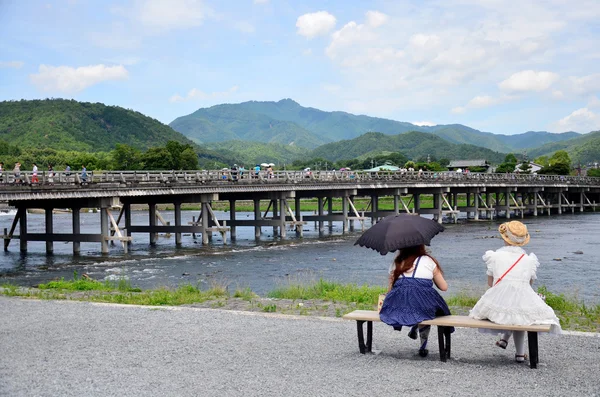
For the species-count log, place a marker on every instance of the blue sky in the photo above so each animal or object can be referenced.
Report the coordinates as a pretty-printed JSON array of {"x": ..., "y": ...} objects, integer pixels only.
[{"x": 496, "y": 65}]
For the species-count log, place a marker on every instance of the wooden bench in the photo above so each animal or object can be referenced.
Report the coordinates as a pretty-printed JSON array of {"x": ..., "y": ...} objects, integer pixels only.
[{"x": 445, "y": 325}]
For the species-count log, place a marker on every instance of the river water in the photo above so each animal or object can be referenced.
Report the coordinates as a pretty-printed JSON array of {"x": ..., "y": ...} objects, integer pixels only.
[{"x": 566, "y": 245}]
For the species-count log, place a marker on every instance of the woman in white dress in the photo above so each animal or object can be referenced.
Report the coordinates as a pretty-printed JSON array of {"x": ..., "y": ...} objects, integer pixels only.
[{"x": 511, "y": 300}]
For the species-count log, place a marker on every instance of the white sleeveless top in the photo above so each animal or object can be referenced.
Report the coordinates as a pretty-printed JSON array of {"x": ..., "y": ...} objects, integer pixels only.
[{"x": 424, "y": 270}]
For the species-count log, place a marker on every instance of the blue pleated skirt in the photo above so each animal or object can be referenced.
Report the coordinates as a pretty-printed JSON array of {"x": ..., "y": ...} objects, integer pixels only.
[{"x": 411, "y": 301}]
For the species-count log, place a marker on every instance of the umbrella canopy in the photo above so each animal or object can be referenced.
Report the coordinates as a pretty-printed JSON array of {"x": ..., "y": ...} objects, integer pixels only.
[
  {"x": 399, "y": 231},
  {"x": 264, "y": 165},
  {"x": 271, "y": 164}
]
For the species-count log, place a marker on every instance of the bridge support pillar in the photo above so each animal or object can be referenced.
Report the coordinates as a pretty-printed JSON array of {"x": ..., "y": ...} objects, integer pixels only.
[
  {"x": 437, "y": 204},
  {"x": 345, "y": 212},
  {"x": 49, "y": 228},
  {"x": 374, "y": 208},
  {"x": 275, "y": 214},
  {"x": 282, "y": 229},
  {"x": 535, "y": 204},
  {"x": 152, "y": 222},
  {"x": 581, "y": 203},
  {"x": 476, "y": 205},
  {"x": 416, "y": 203},
  {"x": 298, "y": 211},
  {"x": 351, "y": 198},
  {"x": 76, "y": 220},
  {"x": 204, "y": 223},
  {"x": 257, "y": 216},
  {"x": 320, "y": 213},
  {"x": 232, "y": 231},
  {"x": 127, "y": 212},
  {"x": 23, "y": 230},
  {"x": 507, "y": 203},
  {"x": 330, "y": 212},
  {"x": 559, "y": 196},
  {"x": 177, "y": 207},
  {"x": 104, "y": 229}
]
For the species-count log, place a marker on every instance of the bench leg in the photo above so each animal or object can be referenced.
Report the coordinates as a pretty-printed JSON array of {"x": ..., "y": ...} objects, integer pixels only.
[
  {"x": 448, "y": 336},
  {"x": 441, "y": 343},
  {"x": 369, "y": 336},
  {"x": 532, "y": 341},
  {"x": 361, "y": 337}
]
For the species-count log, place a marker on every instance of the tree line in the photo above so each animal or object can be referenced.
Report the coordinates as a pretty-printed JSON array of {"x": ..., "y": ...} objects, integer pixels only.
[{"x": 173, "y": 156}]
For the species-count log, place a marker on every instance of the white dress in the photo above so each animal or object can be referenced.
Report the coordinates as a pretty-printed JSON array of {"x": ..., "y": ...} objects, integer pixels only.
[{"x": 513, "y": 301}]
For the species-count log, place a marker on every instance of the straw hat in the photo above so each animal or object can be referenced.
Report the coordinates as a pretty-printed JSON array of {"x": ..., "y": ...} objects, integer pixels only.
[{"x": 514, "y": 233}]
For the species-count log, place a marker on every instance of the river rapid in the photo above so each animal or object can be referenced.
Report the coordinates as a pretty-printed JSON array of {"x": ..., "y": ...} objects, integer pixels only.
[{"x": 567, "y": 246}]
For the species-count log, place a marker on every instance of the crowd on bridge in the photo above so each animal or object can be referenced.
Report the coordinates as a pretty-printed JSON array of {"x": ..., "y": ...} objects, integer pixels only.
[{"x": 19, "y": 177}]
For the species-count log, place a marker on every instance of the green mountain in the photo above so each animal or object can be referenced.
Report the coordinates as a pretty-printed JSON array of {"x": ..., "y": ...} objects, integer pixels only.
[
  {"x": 534, "y": 139},
  {"x": 412, "y": 144},
  {"x": 251, "y": 153},
  {"x": 287, "y": 122},
  {"x": 460, "y": 134},
  {"x": 232, "y": 122},
  {"x": 333, "y": 126},
  {"x": 70, "y": 125},
  {"x": 582, "y": 149}
]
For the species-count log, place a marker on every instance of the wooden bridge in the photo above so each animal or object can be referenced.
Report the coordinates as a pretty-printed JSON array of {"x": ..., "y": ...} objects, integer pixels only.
[{"x": 477, "y": 194}]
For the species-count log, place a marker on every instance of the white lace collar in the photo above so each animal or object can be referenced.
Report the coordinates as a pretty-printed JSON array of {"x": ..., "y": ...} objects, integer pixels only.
[{"x": 512, "y": 248}]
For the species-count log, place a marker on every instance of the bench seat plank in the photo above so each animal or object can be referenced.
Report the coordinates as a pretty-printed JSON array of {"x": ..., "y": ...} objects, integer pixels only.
[{"x": 452, "y": 321}]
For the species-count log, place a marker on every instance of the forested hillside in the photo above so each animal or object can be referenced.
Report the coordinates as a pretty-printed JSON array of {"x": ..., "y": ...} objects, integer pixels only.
[
  {"x": 414, "y": 145},
  {"x": 583, "y": 149},
  {"x": 251, "y": 153},
  {"x": 288, "y": 123},
  {"x": 232, "y": 122},
  {"x": 534, "y": 139},
  {"x": 82, "y": 126}
]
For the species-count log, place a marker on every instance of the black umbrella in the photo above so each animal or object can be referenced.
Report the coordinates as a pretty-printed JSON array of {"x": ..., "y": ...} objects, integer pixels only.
[{"x": 399, "y": 231}]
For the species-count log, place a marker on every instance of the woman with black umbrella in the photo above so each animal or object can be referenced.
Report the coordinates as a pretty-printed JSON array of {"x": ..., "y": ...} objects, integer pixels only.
[{"x": 411, "y": 297}]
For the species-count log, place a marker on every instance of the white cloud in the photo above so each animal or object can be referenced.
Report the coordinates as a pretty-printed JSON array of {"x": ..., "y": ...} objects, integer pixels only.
[
  {"x": 173, "y": 14},
  {"x": 376, "y": 18},
  {"x": 196, "y": 94},
  {"x": 331, "y": 87},
  {"x": 529, "y": 80},
  {"x": 483, "y": 101},
  {"x": 586, "y": 85},
  {"x": 261, "y": 1},
  {"x": 315, "y": 24},
  {"x": 67, "y": 79},
  {"x": 594, "y": 103},
  {"x": 558, "y": 94},
  {"x": 424, "y": 123},
  {"x": 581, "y": 120},
  {"x": 11, "y": 64},
  {"x": 245, "y": 27},
  {"x": 307, "y": 52}
]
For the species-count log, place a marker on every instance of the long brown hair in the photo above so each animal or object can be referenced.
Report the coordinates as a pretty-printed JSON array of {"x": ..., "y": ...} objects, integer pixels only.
[{"x": 407, "y": 256}]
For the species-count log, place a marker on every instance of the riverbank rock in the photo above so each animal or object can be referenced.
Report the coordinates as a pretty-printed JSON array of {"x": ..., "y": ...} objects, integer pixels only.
[{"x": 578, "y": 252}]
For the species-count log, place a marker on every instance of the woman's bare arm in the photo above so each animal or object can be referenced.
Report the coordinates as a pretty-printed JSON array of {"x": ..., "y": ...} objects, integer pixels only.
[
  {"x": 438, "y": 279},
  {"x": 490, "y": 281}
]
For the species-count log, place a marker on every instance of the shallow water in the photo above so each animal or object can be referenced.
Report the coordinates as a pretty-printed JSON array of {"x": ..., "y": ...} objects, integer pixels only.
[{"x": 265, "y": 264}]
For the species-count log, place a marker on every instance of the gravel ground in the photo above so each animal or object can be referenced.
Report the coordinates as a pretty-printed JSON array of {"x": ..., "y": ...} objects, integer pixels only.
[{"x": 66, "y": 348}]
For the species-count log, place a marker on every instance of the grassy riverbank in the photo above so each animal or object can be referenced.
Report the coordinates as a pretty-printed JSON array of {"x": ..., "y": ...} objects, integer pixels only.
[
  {"x": 320, "y": 298},
  {"x": 361, "y": 204}
]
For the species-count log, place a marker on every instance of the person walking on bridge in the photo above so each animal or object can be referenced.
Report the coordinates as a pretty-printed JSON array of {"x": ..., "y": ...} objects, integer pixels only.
[
  {"x": 34, "y": 175},
  {"x": 84, "y": 174},
  {"x": 17, "y": 172}
]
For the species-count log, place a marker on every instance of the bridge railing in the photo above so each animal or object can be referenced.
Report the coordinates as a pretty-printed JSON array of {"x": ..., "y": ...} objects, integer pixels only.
[{"x": 226, "y": 176}]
